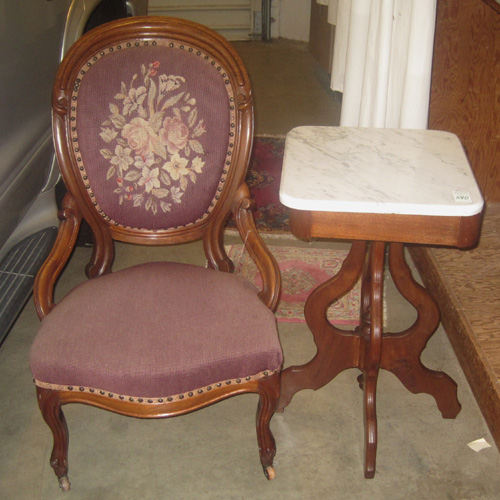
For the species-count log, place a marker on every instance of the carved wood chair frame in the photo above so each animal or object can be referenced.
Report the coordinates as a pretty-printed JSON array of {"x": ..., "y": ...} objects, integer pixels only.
[{"x": 77, "y": 205}]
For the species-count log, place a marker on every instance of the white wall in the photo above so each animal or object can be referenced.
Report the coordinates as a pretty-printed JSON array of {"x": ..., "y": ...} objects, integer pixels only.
[{"x": 292, "y": 18}]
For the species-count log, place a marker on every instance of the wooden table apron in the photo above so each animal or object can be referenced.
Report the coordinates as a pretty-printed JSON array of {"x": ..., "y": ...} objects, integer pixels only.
[{"x": 368, "y": 347}]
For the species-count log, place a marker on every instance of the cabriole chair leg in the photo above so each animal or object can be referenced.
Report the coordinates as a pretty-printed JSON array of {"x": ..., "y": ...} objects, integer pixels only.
[
  {"x": 50, "y": 406},
  {"x": 269, "y": 394}
]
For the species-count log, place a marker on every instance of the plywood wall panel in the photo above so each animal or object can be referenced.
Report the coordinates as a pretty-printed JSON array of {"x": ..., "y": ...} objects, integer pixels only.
[{"x": 465, "y": 91}]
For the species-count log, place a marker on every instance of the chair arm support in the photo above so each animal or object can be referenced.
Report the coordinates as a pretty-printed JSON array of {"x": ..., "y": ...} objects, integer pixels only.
[
  {"x": 43, "y": 289},
  {"x": 271, "y": 279}
]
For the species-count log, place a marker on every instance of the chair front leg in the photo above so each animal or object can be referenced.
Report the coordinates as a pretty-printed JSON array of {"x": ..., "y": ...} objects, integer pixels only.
[
  {"x": 50, "y": 406},
  {"x": 269, "y": 392}
]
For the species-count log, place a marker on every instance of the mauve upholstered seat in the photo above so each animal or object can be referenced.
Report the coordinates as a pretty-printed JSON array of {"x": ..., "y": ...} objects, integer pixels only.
[{"x": 136, "y": 333}]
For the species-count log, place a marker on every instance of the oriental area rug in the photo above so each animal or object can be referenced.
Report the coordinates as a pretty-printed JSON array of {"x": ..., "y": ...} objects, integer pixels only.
[
  {"x": 263, "y": 179},
  {"x": 302, "y": 269}
]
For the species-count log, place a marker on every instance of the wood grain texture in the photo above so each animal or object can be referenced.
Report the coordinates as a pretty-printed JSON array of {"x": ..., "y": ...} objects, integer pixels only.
[
  {"x": 466, "y": 285},
  {"x": 493, "y": 4},
  {"x": 460, "y": 232},
  {"x": 465, "y": 90}
]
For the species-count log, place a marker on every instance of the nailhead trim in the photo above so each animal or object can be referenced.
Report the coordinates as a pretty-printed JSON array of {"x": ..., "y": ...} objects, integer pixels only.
[
  {"x": 169, "y": 399},
  {"x": 134, "y": 44}
]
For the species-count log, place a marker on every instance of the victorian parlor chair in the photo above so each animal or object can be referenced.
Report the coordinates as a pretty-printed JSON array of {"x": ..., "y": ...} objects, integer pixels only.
[{"x": 153, "y": 127}]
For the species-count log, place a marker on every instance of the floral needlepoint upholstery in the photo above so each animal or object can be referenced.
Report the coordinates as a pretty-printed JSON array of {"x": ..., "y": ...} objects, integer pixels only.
[{"x": 157, "y": 130}]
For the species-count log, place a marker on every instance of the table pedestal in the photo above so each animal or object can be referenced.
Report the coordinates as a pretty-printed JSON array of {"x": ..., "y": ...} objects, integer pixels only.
[{"x": 368, "y": 347}]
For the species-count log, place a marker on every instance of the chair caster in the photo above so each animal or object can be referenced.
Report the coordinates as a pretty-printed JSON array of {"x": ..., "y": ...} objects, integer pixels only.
[
  {"x": 64, "y": 483},
  {"x": 269, "y": 472}
]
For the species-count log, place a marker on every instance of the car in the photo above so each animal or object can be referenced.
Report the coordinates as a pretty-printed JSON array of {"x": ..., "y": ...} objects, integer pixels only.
[{"x": 34, "y": 36}]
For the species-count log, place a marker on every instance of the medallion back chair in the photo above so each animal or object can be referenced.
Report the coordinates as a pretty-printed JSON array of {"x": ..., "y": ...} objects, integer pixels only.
[{"x": 153, "y": 129}]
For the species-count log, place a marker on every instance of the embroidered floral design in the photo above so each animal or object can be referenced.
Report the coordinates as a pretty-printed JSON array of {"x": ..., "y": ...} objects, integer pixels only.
[{"x": 153, "y": 147}]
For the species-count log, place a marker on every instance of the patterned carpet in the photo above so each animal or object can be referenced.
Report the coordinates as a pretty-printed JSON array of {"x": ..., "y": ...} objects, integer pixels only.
[
  {"x": 263, "y": 178},
  {"x": 302, "y": 269}
]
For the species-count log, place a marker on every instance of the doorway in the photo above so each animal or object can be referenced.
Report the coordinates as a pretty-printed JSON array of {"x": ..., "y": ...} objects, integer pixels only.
[{"x": 235, "y": 20}]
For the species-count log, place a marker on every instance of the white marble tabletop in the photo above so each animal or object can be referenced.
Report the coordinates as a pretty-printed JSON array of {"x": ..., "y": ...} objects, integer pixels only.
[{"x": 384, "y": 171}]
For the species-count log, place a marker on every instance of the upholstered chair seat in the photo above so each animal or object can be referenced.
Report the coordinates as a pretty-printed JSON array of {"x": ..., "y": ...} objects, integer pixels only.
[{"x": 153, "y": 332}]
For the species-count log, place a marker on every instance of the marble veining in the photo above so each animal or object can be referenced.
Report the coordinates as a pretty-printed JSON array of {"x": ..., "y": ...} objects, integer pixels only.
[{"x": 368, "y": 170}]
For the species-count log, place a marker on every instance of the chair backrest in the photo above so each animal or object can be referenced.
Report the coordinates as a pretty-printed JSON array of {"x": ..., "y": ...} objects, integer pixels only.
[{"x": 153, "y": 127}]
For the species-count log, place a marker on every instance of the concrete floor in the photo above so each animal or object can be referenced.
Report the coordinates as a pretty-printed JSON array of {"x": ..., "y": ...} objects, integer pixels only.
[{"x": 212, "y": 454}]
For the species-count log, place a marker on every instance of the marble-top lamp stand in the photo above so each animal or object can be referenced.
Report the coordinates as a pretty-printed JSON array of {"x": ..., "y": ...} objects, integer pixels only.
[{"x": 379, "y": 188}]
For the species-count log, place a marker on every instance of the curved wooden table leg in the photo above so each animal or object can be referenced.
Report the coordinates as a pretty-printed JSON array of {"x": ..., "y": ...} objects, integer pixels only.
[
  {"x": 402, "y": 351},
  {"x": 364, "y": 312},
  {"x": 372, "y": 354},
  {"x": 337, "y": 349}
]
